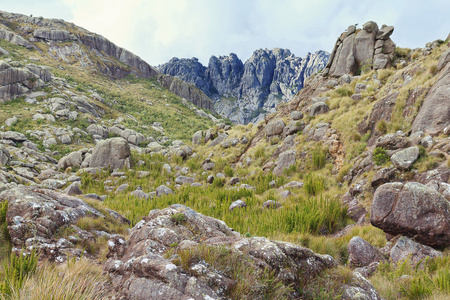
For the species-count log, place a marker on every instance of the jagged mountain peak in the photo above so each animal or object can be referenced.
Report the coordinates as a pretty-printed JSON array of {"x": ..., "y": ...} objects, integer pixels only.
[{"x": 245, "y": 92}]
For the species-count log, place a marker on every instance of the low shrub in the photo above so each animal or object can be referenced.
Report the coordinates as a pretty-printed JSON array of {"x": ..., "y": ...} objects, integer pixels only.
[{"x": 380, "y": 156}]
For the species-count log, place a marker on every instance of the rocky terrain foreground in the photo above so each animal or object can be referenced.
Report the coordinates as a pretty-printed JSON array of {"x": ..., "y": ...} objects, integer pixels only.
[{"x": 113, "y": 186}]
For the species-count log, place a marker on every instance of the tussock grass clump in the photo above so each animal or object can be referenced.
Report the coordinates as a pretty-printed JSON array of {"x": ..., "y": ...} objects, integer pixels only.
[
  {"x": 329, "y": 284},
  {"x": 5, "y": 239},
  {"x": 303, "y": 215},
  {"x": 314, "y": 184},
  {"x": 402, "y": 52},
  {"x": 71, "y": 280},
  {"x": 16, "y": 271},
  {"x": 381, "y": 126},
  {"x": 250, "y": 281},
  {"x": 430, "y": 279},
  {"x": 319, "y": 156}
]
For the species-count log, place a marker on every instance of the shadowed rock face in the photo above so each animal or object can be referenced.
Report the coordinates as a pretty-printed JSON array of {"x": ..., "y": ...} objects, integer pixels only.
[
  {"x": 414, "y": 210},
  {"x": 434, "y": 115},
  {"x": 244, "y": 92},
  {"x": 139, "y": 269},
  {"x": 361, "y": 50}
]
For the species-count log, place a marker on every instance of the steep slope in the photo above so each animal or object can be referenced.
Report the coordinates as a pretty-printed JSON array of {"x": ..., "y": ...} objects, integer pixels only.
[
  {"x": 69, "y": 44},
  {"x": 246, "y": 92}
]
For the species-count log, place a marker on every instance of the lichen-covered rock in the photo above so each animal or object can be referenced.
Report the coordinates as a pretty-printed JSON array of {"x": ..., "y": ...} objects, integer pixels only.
[
  {"x": 35, "y": 213},
  {"x": 4, "y": 156},
  {"x": 73, "y": 159},
  {"x": 362, "y": 253},
  {"x": 392, "y": 141},
  {"x": 414, "y": 210},
  {"x": 404, "y": 159},
  {"x": 406, "y": 248},
  {"x": 139, "y": 269},
  {"x": 237, "y": 204},
  {"x": 163, "y": 190}
]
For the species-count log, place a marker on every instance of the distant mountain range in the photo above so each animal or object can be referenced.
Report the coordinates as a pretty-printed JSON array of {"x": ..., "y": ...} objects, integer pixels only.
[{"x": 245, "y": 92}]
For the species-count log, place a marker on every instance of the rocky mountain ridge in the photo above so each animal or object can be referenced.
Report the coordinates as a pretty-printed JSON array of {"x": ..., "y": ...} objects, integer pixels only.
[
  {"x": 245, "y": 92},
  {"x": 68, "y": 43}
]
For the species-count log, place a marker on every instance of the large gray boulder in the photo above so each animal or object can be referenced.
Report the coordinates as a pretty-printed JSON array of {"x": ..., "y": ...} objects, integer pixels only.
[
  {"x": 318, "y": 108},
  {"x": 179, "y": 228},
  {"x": 412, "y": 209},
  {"x": 404, "y": 159},
  {"x": 112, "y": 153},
  {"x": 54, "y": 34},
  {"x": 361, "y": 51},
  {"x": 434, "y": 114},
  {"x": 73, "y": 159},
  {"x": 16, "y": 81},
  {"x": 274, "y": 127}
]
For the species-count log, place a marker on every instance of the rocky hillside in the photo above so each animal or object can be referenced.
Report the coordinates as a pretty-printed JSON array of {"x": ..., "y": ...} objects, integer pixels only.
[
  {"x": 67, "y": 43},
  {"x": 246, "y": 92},
  {"x": 120, "y": 189}
]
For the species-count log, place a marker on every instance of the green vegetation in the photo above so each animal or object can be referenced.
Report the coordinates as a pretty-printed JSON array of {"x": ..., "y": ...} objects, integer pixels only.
[
  {"x": 319, "y": 156},
  {"x": 380, "y": 156},
  {"x": 15, "y": 272},
  {"x": 430, "y": 278},
  {"x": 220, "y": 258},
  {"x": 314, "y": 184}
]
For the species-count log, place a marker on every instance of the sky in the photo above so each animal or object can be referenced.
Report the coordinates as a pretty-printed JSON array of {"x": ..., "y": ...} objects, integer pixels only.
[{"x": 157, "y": 30}]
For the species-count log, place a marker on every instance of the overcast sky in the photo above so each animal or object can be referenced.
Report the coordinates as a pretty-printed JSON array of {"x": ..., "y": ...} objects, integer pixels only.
[{"x": 158, "y": 30}]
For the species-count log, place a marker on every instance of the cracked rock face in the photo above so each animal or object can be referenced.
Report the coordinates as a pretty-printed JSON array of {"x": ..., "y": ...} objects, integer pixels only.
[
  {"x": 414, "y": 210},
  {"x": 140, "y": 270}
]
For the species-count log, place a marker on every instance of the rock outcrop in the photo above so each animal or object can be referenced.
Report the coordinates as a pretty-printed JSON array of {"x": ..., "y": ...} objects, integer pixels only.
[
  {"x": 360, "y": 50},
  {"x": 412, "y": 209},
  {"x": 17, "y": 81},
  {"x": 139, "y": 269},
  {"x": 245, "y": 92}
]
